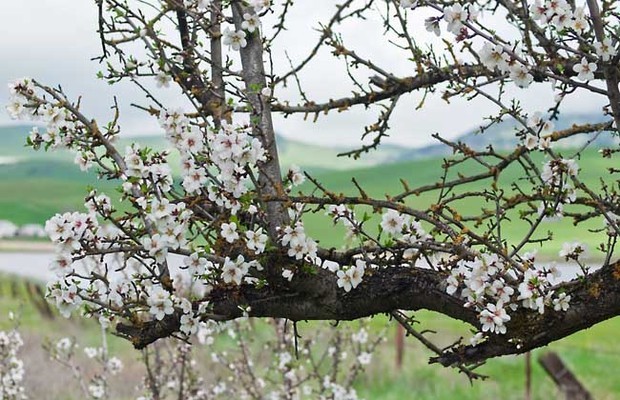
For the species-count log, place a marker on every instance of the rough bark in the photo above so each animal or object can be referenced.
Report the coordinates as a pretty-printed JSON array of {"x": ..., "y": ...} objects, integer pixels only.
[{"x": 253, "y": 73}]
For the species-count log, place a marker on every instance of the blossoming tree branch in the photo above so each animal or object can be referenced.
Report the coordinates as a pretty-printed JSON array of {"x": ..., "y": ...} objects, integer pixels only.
[{"x": 238, "y": 219}]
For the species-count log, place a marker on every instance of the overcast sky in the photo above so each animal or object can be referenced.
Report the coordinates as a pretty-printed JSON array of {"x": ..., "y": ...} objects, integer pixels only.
[{"x": 54, "y": 40}]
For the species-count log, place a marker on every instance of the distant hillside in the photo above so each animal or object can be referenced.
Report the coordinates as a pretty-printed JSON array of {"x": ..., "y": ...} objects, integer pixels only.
[
  {"x": 311, "y": 157},
  {"x": 502, "y": 137},
  {"x": 317, "y": 158}
]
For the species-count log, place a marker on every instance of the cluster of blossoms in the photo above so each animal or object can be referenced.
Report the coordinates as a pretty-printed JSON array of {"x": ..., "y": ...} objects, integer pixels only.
[
  {"x": 345, "y": 354},
  {"x": 406, "y": 230},
  {"x": 300, "y": 246},
  {"x": 236, "y": 40},
  {"x": 68, "y": 231},
  {"x": 90, "y": 278},
  {"x": 542, "y": 127},
  {"x": 495, "y": 56},
  {"x": 408, "y": 233},
  {"x": 147, "y": 169},
  {"x": 455, "y": 16},
  {"x": 234, "y": 271},
  {"x": 160, "y": 226},
  {"x": 169, "y": 223},
  {"x": 560, "y": 15},
  {"x": 555, "y": 172},
  {"x": 97, "y": 385},
  {"x": 342, "y": 214},
  {"x": 62, "y": 128},
  {"x": 351, "y": 277},
  {"x": 232, "y": 150},
  {"x": 555, "y": 176},
  {"x": 24, "y": 104},
  {"x": 11, "y": 367},
  {"x": 487, "y": 284}
]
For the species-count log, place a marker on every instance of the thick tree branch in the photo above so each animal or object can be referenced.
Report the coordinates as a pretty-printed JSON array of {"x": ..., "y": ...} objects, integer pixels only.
[{"x": 316, "y": 297}]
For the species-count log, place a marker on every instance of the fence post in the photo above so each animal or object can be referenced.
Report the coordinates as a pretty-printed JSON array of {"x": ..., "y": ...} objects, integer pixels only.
[
  {"x": 563, "y": 377},
  {"x": 400, "y": 345}
]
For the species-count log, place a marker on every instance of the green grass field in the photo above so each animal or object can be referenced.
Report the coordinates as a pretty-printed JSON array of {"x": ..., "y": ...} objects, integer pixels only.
[
  {"x": 33, "y": 190},
  {"x": 384, "y": 181}
]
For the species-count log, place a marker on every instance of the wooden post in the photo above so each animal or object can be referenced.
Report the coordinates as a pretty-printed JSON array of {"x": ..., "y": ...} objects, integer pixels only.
[
  {"x": 563, "y": 377},
  {"x": 528, "y": 376},
  {"x": 400, "y": 345}
]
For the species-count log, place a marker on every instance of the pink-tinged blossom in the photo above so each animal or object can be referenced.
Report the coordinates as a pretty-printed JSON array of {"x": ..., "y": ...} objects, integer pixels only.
[
  {"x": 156, "y": 246},
  {"x": 579, "y": 21},
  {"x": 364, "y": 358},
  {"x": 530, "y": 142},
  {"x": 544, "y": 143},
  {"x": 500, "y": 291},
  {"x": 194, "y": 180},
  {"x": 605, "y": 49},
  {"x": 84, "y": 160},
  {"x": 493, "y": 318},
  {"x": 538, "y": 10},
  {"x": 62, "y": 265},
  {"x": 196, "y": 265},
  {"x": 234, "y": 271},
  {"x": 162, "y": 80},
  {"x": 68, "y": 299},
  {"x": 493, "y": 56},
  {"x": 296, "y": 176},
  {"x": 189, "y": 324},
  {"x": 392, "y": 222},
  {"x": 456, "y": 16},
  {"x": 344, "y": 280},
  {"x": 585, "y": 70}
]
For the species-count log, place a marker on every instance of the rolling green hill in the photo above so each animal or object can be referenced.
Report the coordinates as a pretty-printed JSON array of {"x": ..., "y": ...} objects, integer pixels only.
[{"x": 310, "y": 157}]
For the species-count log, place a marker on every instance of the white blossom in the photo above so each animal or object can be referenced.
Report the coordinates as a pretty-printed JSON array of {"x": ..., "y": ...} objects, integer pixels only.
[
  {"x": 585, "y": 70},
  {"x": 234, "y": 39}
]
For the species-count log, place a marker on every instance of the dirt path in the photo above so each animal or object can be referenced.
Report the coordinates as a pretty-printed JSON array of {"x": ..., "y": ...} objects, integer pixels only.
[{"x": 26, "y": 246}]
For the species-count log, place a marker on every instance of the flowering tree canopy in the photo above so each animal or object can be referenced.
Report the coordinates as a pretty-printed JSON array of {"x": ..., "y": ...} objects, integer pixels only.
[{"x": 238, "y": 219}]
